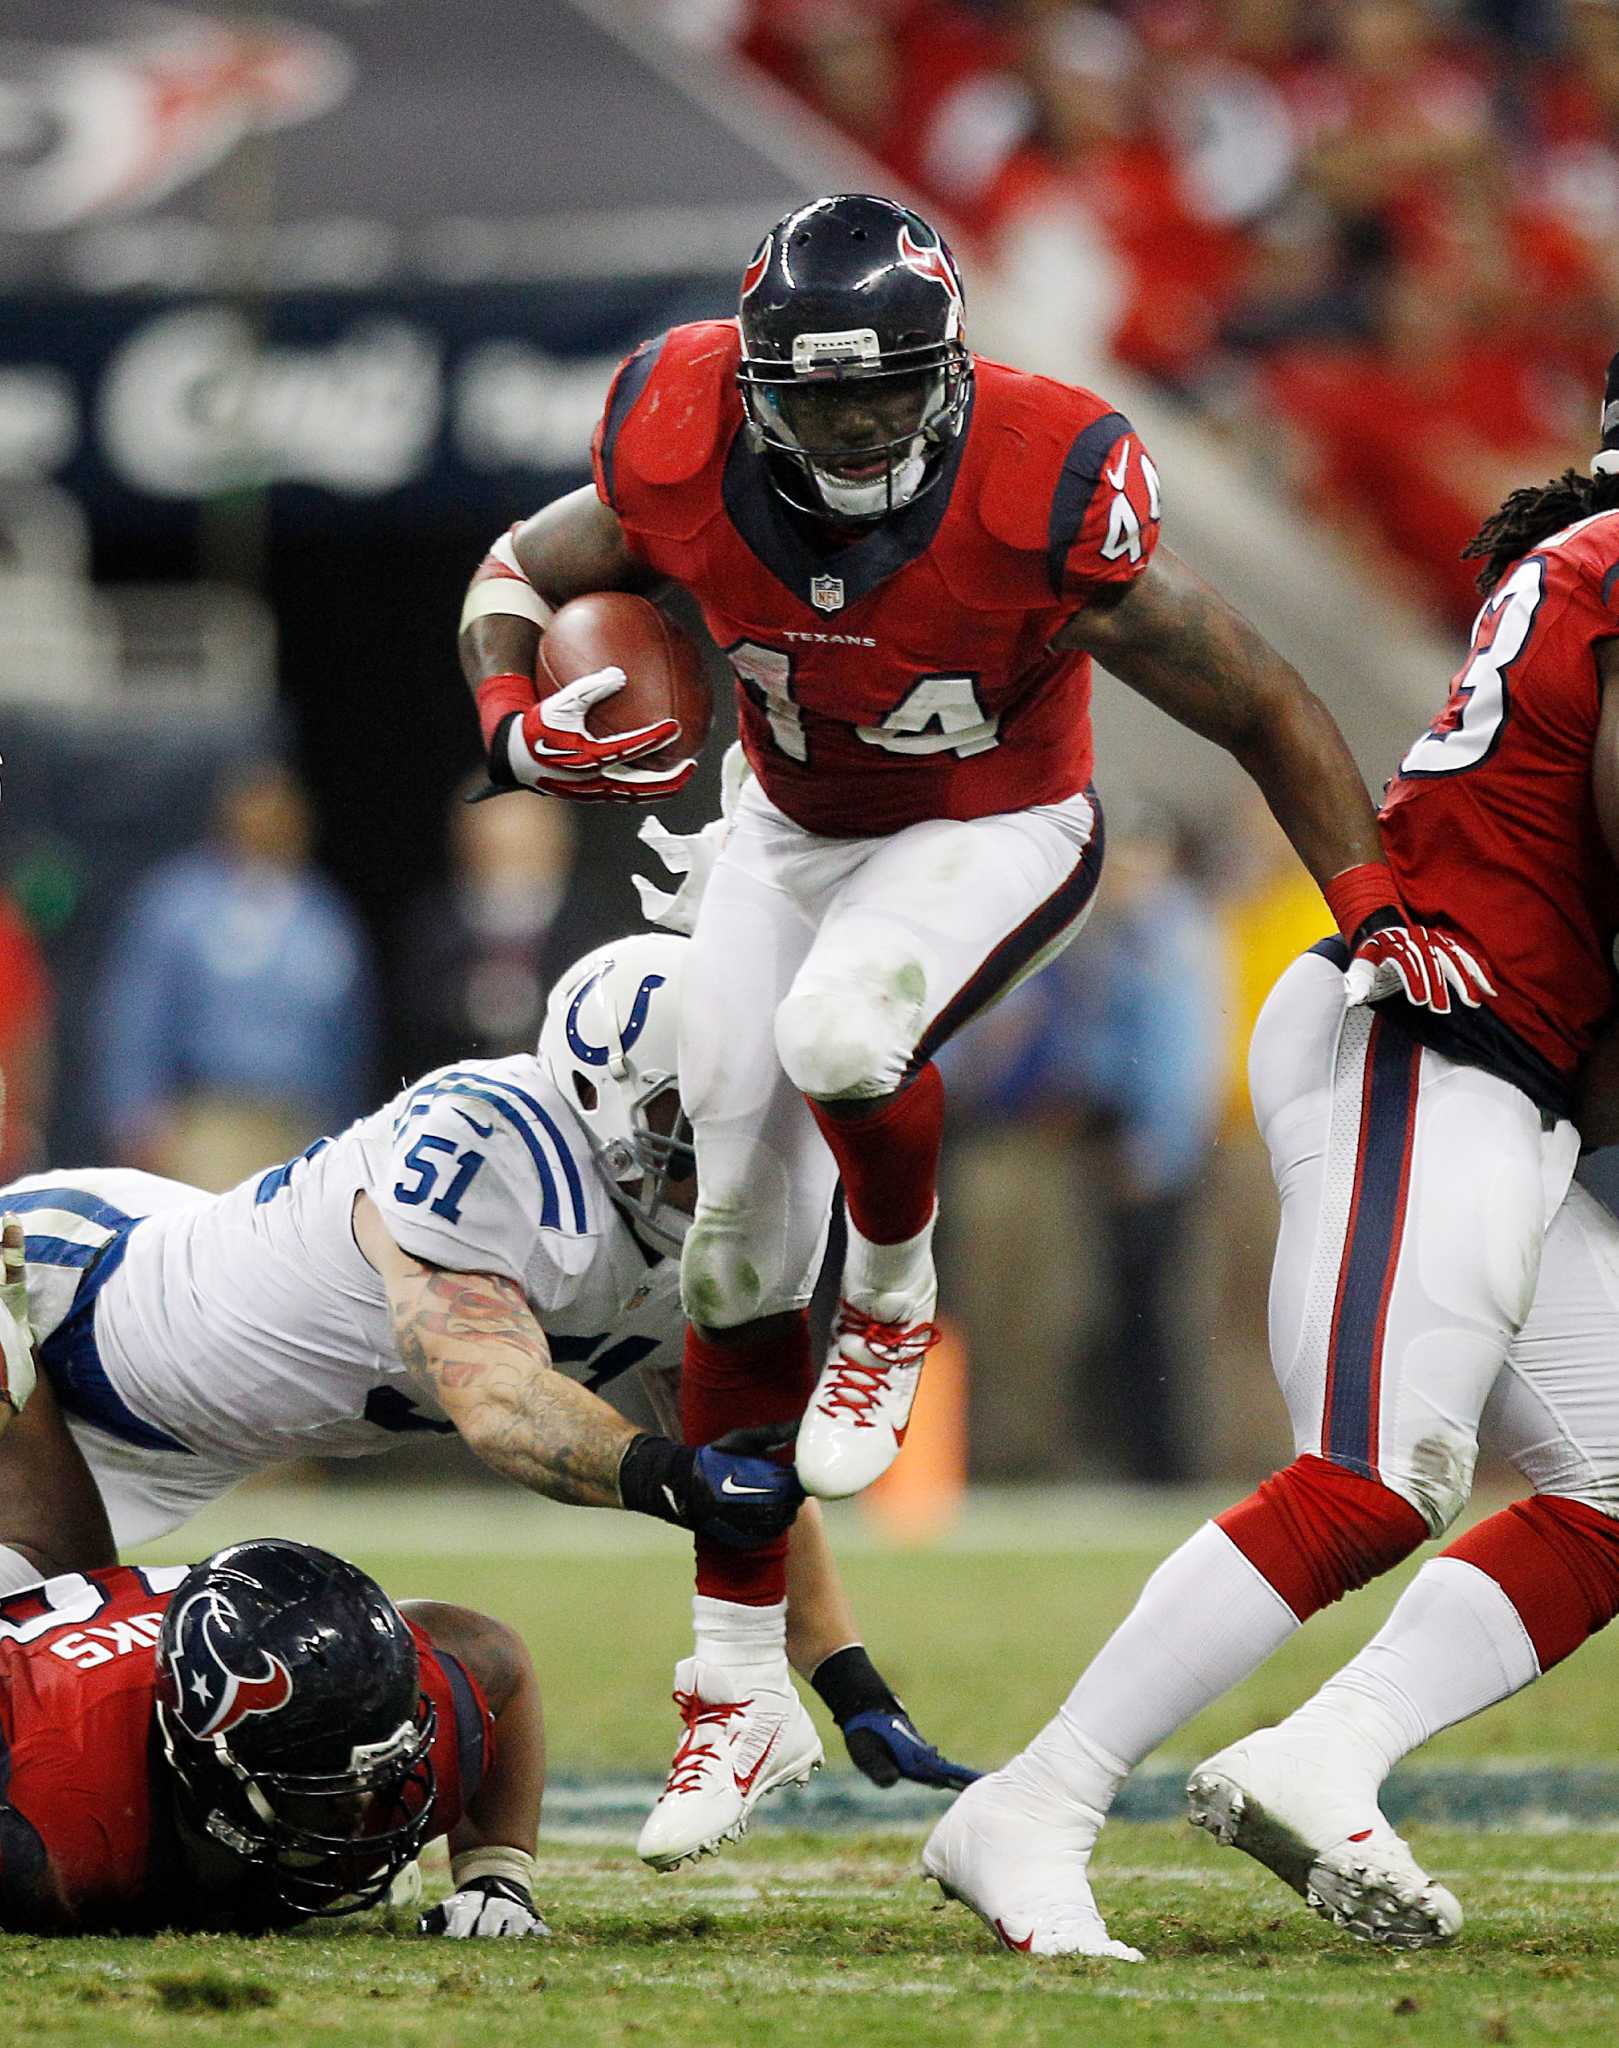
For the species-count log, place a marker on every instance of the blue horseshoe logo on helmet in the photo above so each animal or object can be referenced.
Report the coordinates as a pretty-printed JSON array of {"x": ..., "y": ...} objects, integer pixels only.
[{"x": 599, "y": 1055}]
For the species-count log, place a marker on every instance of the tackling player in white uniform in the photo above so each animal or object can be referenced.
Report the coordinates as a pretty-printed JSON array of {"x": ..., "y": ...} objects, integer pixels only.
[{"x": 425, "y": 1270}]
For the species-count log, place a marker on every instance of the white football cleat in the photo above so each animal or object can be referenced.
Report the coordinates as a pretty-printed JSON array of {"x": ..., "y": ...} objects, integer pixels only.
[
  {"x": 1284, "y": 1799},
  {"x": 999, "y": 1851},
  {"x": 739, "y": 1744},
  {"x": 861, "y": 1408}
]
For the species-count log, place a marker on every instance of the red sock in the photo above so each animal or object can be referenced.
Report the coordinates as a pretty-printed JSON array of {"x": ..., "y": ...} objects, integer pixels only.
[
  {"x": 1557, "y": 1561},
  {"x": 1317, "y": 1531},
  {"x": 888, "y": 1156},
  {"x": 741, "y": 1385}
]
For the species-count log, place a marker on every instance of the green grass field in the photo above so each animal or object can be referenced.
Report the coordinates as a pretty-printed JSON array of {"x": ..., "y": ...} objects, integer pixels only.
[
  {"x": 801, "y": 1941},
  {"x": 821, "y": 1933}
]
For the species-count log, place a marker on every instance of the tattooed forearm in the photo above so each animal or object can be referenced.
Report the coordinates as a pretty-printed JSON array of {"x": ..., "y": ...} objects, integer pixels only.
[
  {"x": 473, "y": 1339},
  {"x": 1179, "y": 644}
]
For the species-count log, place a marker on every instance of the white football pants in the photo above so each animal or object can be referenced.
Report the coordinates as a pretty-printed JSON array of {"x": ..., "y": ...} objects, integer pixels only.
[
  {"x": 148, "y": 1489},
  {"x": 1554, "y": 1410},
  {"x": 1416, "y": 1197},
  {"x": 835, "y": 968}
]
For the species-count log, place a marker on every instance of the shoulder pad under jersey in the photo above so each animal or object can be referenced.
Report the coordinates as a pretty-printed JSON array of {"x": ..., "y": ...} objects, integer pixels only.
[
  {"x": 485, "y": 1172},
  {"x": 1045, "y": 489},
  {"x": 1589, "y": 549},
  {"x": 670, "y": 411}
]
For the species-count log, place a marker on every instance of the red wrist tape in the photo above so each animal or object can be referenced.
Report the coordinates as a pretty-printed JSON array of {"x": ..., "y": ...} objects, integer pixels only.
[
  {"x": 498, "y": 696},
  {"x": 1357, "y": 892}
]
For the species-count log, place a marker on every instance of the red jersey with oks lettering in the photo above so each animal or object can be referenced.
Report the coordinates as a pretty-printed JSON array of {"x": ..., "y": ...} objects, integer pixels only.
[
  {"x": 903, "y": 671},
  {"x": 1491, "y": 826},
  {"x": 80, "y": 1764}
]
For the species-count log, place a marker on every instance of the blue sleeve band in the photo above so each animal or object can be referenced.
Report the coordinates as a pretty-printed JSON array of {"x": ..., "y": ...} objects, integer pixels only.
[
  {"x": 1076, "y": 486},
  {"x": 628, "y": 385}
]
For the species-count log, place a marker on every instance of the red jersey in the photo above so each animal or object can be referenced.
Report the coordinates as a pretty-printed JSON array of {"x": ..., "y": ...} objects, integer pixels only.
[
  {"x": 80, "y": 1768},
  {"x": 903, "y": 672},
  {"x": 1490, "y": 825}
]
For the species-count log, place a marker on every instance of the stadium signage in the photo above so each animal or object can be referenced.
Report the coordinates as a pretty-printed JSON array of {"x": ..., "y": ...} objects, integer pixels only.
[{"x": 420, "y": 400}]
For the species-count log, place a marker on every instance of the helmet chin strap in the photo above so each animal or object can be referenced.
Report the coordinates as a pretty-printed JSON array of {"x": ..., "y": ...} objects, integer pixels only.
[{"x": 883, "y": 494}]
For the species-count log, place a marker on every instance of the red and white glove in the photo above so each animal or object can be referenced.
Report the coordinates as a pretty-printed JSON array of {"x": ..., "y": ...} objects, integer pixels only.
[
  {"x": 1418, "y": 961},
  {"x": 1391, "y": 954},
  {"x": 550, "y": 747}
]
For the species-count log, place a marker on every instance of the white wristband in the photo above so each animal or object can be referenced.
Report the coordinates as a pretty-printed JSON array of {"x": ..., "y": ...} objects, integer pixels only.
[
  {"x": 512, "y": 594},
  {"x": 504, "y": 552},
  {"x": 498, "y": 1859},
  {"x": 505, "y": 594}
]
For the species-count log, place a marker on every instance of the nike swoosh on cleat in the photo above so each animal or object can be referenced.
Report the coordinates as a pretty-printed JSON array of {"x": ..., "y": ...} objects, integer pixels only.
[
  {"x": 1022, "y": 1946},
  {"x": 899, "y": 1434},
  {"x": 729, "y": 1485},
  {"x": 745, "y": 1785},
  {"x": 674, "y": 1505}
]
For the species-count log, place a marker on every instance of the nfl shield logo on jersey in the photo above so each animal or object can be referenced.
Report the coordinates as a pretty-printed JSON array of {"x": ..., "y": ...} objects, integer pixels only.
[{"x": 826, "y": 593}]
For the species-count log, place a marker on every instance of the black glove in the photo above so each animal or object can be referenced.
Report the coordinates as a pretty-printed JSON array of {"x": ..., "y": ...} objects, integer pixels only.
[
  {"x": 729, "y": 1491},
  {"x": 879, "y": 1735}
]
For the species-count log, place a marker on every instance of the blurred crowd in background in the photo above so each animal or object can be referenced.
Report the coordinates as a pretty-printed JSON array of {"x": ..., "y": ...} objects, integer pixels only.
[{"x": 1375, "y": 242}]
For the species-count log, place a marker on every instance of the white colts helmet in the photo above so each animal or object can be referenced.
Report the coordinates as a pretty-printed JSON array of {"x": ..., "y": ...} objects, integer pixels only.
[{"x": 608, "y": 1042}]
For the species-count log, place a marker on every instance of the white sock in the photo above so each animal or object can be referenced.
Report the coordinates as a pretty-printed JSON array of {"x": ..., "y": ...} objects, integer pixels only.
[
  {"x": 1454, "y": 1645},
  {"x": 1205, "y": 1619},
  {"x": 749, "y": 1643},
  {"x": 886, "y": 1280},
  {"x": 1066, "y": 1777}
]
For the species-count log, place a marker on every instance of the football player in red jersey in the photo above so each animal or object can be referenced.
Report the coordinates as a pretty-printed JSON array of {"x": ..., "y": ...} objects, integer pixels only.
[
  {"x": 1437, "y": 1280},
  {"x": 909, "y": 555},
  {"x": 251, "y": 1741}
]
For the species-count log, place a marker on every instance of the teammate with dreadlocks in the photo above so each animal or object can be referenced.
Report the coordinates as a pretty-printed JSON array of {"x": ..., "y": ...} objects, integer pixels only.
[{"x": 1424, "y": 1164}]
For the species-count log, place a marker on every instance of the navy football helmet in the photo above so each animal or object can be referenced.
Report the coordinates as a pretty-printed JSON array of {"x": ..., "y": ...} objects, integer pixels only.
[
  {"x": 854, "y": 373},
  {"x": 289, "y": 1706}
]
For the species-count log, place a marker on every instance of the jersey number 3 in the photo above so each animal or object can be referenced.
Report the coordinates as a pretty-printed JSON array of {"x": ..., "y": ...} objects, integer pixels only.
[{"x": 1466, "y": 731}]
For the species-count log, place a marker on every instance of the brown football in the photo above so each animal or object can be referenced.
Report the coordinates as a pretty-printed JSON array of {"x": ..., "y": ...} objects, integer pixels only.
[{"x": 610, "y": 628}]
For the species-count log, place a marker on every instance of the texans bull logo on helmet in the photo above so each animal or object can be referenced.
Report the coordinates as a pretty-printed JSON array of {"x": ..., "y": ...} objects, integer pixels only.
[
  {"x": 753, "y": 276},
  {"x": 212, "y": 1695},
  {"x": 931, "y": 262}
]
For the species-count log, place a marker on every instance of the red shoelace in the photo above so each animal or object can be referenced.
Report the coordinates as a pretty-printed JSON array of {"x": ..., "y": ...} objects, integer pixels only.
[
  {"x": 686, "y": 1771},
  {"x": 855, "y": 1386}
]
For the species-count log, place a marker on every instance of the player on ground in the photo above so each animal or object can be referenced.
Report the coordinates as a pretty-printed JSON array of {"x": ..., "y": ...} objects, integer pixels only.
[
  {"x": 1420, "y": 1160},
  {"x": 247, "y": 1742},
  {"x": 909, "y": 555},
  {"x": 425, "y": 1270},
  {"x": 257, "y": 1739}
]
